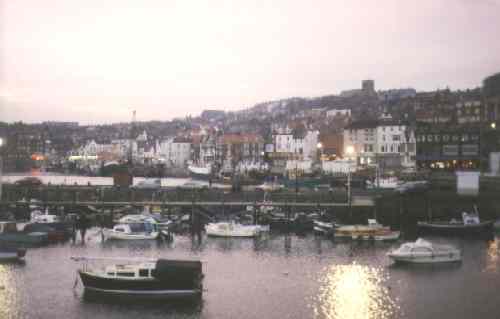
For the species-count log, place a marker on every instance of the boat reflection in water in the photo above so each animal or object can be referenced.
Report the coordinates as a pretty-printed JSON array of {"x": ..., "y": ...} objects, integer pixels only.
[{"x": 354, "y": 291}]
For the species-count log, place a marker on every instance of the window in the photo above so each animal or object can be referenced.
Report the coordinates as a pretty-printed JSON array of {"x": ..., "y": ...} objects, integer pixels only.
[
  {"x": 383, "y": 138},
  {"x": 455, "y": 138},
  {"x": 382, "y": 149},
  {"x": 437, "y": 137},
  {"x": 125, "y": 274},
  {"x": 396, "y": 138},
  {"x": 110, "y": 273},
  {"x": 429, "y": 138},
  {"x": 446, "y": 138},
  {"x": 399, "y": 148},
  {"x": 143, "y": 272}
]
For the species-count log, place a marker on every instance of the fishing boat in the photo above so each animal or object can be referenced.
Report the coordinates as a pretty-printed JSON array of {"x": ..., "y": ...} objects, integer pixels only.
[
  {"x": 225, "y": 229},
  {"x": 10, "y": 234},
  {"x": 12, "y": 253},
  {"x": 151, "y": 279},
  {"x": 372, "y": 231},
  {"x": 469, "y": 225},
  {"x": 424, "y": 252}
]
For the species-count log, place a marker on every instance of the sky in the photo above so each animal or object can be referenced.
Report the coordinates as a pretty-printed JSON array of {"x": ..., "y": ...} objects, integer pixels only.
[{"x": 95, "y": 61}]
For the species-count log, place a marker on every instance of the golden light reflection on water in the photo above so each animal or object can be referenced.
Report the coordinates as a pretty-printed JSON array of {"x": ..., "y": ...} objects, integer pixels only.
[
  {"x": 354, "y": 292},
  {"x": 492, "y": 256},
  {"x": 5, "y": 299}
]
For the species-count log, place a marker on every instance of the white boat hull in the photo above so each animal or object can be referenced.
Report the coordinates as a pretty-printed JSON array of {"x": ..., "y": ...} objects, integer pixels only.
[
  {"x": 8, "y": 256},
  {"x": 215, "y": 230},
  {"x": 426, "y": 259},
  {"x": 111, "y": 234},
  {"x": 386, "y": 237}
]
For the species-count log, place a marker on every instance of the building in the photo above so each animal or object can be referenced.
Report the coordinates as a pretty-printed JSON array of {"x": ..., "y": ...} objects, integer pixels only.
[
  {"x": 232, "y": 149},
  {"x": 385, "y": 142},
  {"x": 175, "y": 151},
  {"x": 368, "y": 86},
  {"x": 297, "y": 143},
  {"x": 468, "y": 111},
  {"x": 338, "y": 113},
  {"x": 449, "y": 146}
]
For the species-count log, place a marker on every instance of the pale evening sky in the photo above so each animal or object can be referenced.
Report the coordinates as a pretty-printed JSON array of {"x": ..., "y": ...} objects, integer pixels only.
[{"x": 94, "y": 61}]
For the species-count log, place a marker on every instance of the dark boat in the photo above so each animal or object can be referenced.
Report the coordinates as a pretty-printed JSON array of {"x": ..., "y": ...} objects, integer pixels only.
[
  {"x": 161, "y": 279},
  {"x": 470, "y": 225},
  {"x": 9, "y": 253}
]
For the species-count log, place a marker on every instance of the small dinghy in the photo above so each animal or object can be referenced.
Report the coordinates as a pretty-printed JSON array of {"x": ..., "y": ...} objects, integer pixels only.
[
  {"x": 424, "y": 252},
  {"x": 150, "y": 279}
]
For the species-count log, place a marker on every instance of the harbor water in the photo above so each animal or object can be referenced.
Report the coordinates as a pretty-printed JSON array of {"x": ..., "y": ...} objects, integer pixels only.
[{"x": 275, "y": 276}]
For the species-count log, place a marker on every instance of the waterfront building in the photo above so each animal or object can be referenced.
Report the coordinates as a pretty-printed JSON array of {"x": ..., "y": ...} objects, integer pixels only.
[
  {"x": 385, "y": 142},
  {"x": 234, "y": 148},
  {"x": 448, "y": 146},
  {"x": 297, "y": 143},
  {"x": 175, "y": 151}
]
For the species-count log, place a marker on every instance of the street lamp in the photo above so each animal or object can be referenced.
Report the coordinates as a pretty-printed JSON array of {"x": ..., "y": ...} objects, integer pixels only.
[{"x": 493, "y": 125}]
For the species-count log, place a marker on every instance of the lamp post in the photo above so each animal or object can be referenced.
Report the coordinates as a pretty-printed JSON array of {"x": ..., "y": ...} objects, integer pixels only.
[{"x": 350, "y": 153}]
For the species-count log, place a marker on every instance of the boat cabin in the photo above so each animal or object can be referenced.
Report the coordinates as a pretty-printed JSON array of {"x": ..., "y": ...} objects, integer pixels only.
[
  {"x": 131, "y": 228},
  {"x": 139, "y": 271},
  {"x": 8, "y": 227}
]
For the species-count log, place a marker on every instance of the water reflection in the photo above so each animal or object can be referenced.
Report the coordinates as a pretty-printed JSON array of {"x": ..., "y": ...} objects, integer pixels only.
[
  {"x": 354, "y": 291},
  {"x": 7, "y": 292},
  {"x": 492, "y": 256}
]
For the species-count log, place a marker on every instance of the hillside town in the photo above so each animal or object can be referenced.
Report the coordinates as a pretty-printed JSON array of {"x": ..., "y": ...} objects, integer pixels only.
[{"x": 390, "y": 130}]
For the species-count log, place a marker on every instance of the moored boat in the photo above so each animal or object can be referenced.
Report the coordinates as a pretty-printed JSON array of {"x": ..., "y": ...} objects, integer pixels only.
[
  {"x": 372, "y": 231},
  {"x": 10, "y": 234},
  {"x": 131, "y": 231},
  {"x": 200, "y": 172},
  {"x": 153, "y": 279},
  {"x": 469, "y": 225},
  {"x": 424, "y": 252},
  {"x": 12, "y": 253},
  {"x": 225, "y": 229}
]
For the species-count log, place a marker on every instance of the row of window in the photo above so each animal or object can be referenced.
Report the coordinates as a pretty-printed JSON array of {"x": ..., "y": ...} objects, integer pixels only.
[{"x": 447, "y": 137}]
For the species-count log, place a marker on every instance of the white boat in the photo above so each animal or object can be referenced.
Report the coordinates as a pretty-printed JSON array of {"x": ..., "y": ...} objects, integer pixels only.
[
  {"x": 225, "y": 229},
  {"x": 38, "y": 216},
  {"x": 133, "y": 227},
  {"x": 385, "y": 183},
  {"x": 423, "y": 251},
  {"x": 200, "y": 172},
  {"x": 270, "y": 187},
  {"x": 12, "y": 254}
]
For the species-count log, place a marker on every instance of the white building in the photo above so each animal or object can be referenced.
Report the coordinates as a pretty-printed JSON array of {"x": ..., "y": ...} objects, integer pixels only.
[
  {"x": 175, "y": 151},
  {"x": 386, "y": 143},
  {"x": 299, "y": 144},
  {"x": 338, "y": 166}
]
